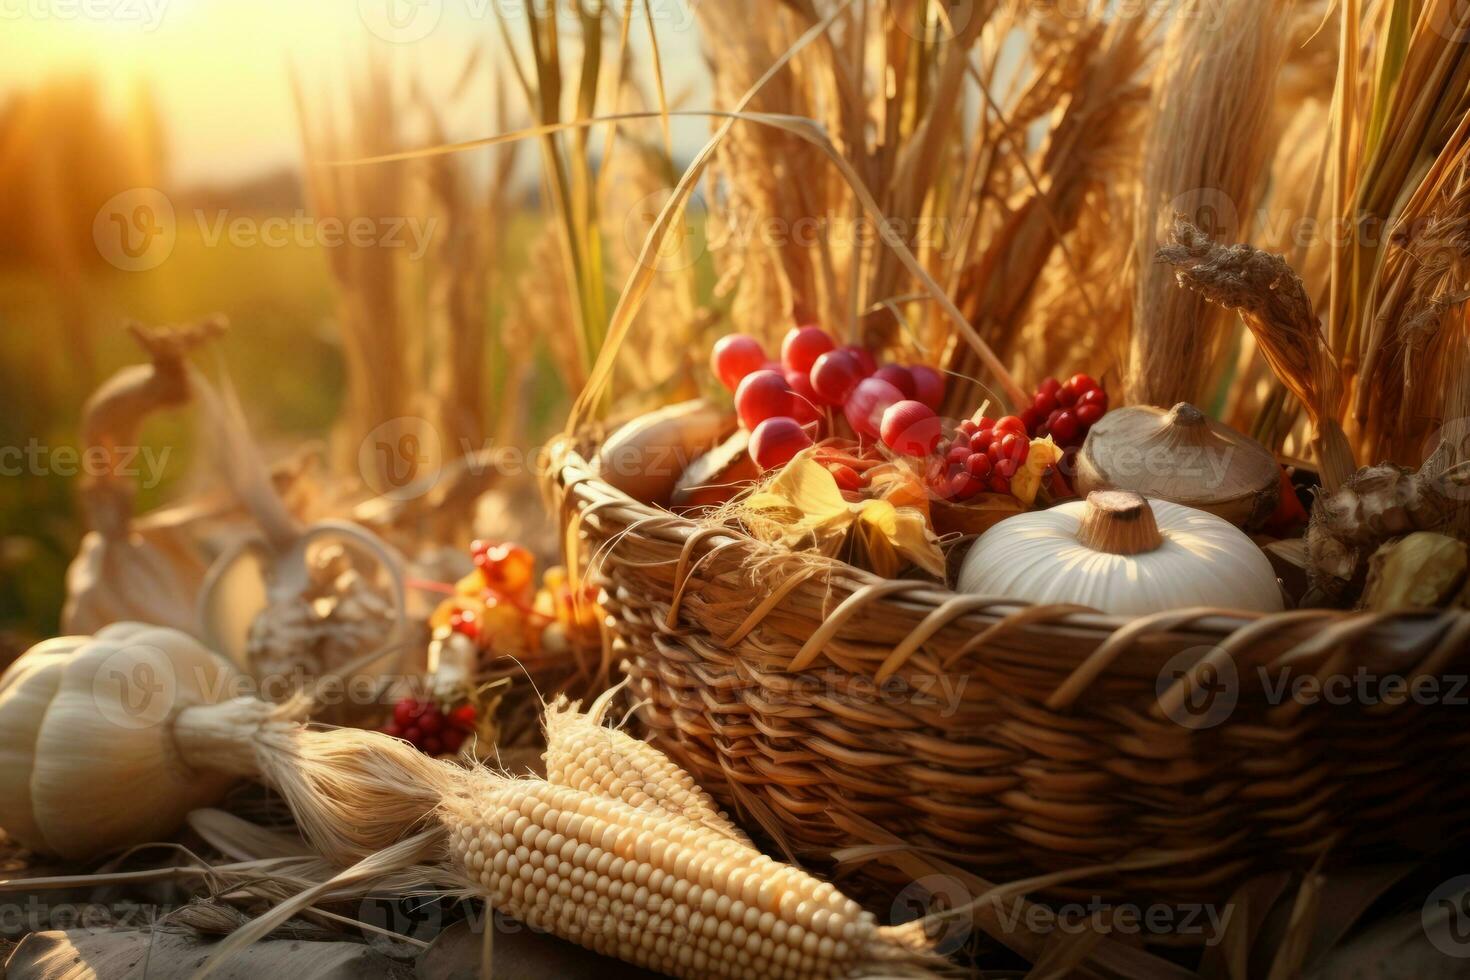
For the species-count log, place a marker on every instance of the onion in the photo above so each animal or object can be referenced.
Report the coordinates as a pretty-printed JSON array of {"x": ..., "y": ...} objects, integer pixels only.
[
  {"x": 734, "y": 356},
  {"x": 911, "y": 428},
  {"x": 834, "y": 375},
  {"x": 802, "y": 346},
  {"x": 762, "y": 395},
  {"x": 928, "y": 385},
  {"x": 776, "y": 440},
  {"x": 1183, "y": 456},
  {"x": 806, "y": 406},
  {"x": 898, "y": 376},
  {"x": 867, "y": 403},
  {"x": 866, "y": 362}
]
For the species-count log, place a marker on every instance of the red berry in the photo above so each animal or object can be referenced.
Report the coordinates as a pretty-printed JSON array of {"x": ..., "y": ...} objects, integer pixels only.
[
  {"x": 897, "y": 376},
  {"x": 960, "y": 439},
  {"x": 464, "y": 716},
  {"x": 867, "y": 403},
  {"x": 963, "y": 486},
  {"x": 969, "y": 427},
  {"x": 413, "y": 734},
  {"x": 403, "y": 712},
  {"x": 1044, "y": 403},
  {"x": 1082, "y": 383},
  {"x": 1015, "y": 447},
  {"x": 763, "y": 395},
  {"x": 928, "y": 385},
  {"x": 1006, "y": 468},
  {"x": 834, "y": 375},
  {"x": 393, "y": 729},
  {"x": 1011, "y": 423},
  {"x": 1031, "y": 418},
  {"x": 453, "y": 739},
  {"x": 431, "y": 722},
  {"x": 1065, "y": 428},
  {"x": 958, "y": 454},
  {"x": 978, "y": 465},
  {"x": 464, "y": 621},
  {"x": 432, "y": 745},
  {"x": 867, "y": 363},
  {"x": 1088, "y": 413},
  {"x": 1067, "y": 395},
  {"x": 1050, "y": 386},
  {"x": 1000, "y": 484},
  {"x": 985, "y": 423},
  {"x": 910, "y": 428},
  {"x": 734, "y": 356},
  {"x": 802, "y": 346},
  {"x": 1095, "y": 396}
]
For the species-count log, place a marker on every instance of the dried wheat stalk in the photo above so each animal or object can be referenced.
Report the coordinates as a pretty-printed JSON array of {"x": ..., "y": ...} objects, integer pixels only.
[
  {"x": 1272, "y": 301},
  {"x": 1205, "y": 157}
]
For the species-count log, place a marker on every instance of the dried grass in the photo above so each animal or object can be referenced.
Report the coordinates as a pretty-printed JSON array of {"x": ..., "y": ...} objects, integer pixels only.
[
  {"x": 413, "y": 329},
  {"x": 1205, "y": 157},
  {"x": 1398, "y": 272},
  {"x": 989, "y": 142}
]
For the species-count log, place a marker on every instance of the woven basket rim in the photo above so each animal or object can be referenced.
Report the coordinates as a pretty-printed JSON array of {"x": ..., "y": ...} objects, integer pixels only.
[{"x": 1407, "y": 627}]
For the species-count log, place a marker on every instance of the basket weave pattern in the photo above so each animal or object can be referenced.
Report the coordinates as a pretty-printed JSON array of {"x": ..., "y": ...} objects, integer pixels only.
[{"x": 1020, "y": 741}]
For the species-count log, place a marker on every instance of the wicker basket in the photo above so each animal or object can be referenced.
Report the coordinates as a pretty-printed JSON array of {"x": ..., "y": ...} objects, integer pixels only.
[{"x": 836, "y": 708}]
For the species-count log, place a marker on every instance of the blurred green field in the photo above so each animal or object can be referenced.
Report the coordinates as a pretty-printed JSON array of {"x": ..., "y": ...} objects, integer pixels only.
[{"x": 282, "y": 351}]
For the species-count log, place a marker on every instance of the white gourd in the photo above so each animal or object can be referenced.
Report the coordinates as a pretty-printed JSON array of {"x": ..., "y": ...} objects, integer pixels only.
[
  {"x": 1122, "y": 555},
  {"x": 110, "y": 740}
]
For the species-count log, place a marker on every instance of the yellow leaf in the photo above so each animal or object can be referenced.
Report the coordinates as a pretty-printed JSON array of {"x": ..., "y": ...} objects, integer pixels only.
[
  {"x": 1027, "y": 481},
  {"x": 886, "y": 536},
  {"x": 891, "y": 536}
]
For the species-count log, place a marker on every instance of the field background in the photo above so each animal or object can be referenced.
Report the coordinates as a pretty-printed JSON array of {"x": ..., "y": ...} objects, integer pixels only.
[{"x": 207, "y": 107}]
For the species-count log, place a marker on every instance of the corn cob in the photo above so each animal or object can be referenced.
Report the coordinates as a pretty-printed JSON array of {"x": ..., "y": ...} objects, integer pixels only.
[
  {"x": 584, "y": 754},
  {"x": 632, "y": 877},
  {"x": 659, "y": 891}
]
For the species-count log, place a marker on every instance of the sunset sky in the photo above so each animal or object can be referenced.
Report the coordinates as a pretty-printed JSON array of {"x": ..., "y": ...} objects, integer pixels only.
[{"x": 219, "y": 69}]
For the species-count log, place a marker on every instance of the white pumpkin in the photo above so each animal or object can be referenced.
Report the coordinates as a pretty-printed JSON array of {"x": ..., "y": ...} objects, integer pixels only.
[{"x": 1122, "y": 555}]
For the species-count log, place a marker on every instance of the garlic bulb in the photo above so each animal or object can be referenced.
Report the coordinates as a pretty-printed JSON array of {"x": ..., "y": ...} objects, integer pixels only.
[
  {"x": 1184, "y": 457},
  {"x": 110, "y": 740},
  {"x": 1122, "y": 555},
  {"x": 339, "y": 616}
]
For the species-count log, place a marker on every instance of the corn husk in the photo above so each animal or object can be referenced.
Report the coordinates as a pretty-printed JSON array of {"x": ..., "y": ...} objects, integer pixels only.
[
  {"x": 803, "y": 508},
  {"x": 1423, "y": 570}
]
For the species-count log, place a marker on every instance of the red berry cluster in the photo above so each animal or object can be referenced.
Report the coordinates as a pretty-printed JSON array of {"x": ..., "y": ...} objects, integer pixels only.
[
  {"x": 1065, "y": 410},
  {"x": 426, "y": 726},
  {"x": 784, "y": 403},
  {"x": 983, "y": 455}
]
